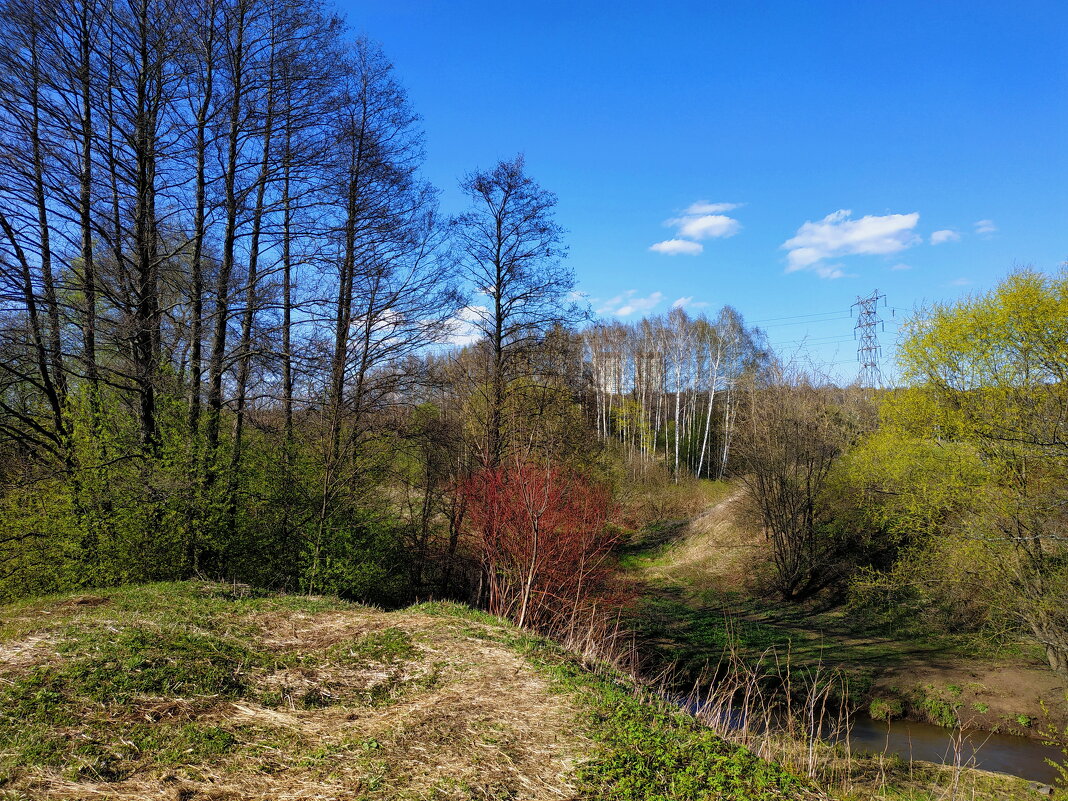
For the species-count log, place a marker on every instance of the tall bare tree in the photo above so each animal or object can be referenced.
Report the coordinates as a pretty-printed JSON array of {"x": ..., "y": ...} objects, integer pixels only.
[{"x": 511, "y": 252}]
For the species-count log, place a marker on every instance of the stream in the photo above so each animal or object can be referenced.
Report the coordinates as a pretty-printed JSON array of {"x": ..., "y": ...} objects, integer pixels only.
[
  {"x": 911, "y": 740},
  {"x": 1003, "y": 753}
]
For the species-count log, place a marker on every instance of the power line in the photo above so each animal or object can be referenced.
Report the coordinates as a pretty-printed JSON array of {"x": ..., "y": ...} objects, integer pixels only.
[
  {"x": 812, "y": 322},
  {"x": 818, "y": 340},
  {"x": 798, "y": 316}
]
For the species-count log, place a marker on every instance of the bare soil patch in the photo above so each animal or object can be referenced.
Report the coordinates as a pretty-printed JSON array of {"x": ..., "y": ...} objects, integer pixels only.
[{"x": 990, "y": 696}]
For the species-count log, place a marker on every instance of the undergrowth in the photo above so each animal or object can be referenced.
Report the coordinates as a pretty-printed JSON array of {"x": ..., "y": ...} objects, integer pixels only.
[{"x": 647, "y": 749}]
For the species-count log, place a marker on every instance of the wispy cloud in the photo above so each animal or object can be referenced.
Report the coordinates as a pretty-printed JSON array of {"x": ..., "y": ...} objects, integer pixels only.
[
  {"x": 701, "y": 220},
  {"x": 830, "y": 271},
  {"x": 960, "y": 282},
  {"x": 677, "y": 247},
  {"x": 627, "y": 303},
  {"x": 708, "y": 226},
  {"x": 704, "y": 207},
  {"x": 688, "y": 303},
  {"x": 464, "y": 328},
  {"x": 943, "y": 236},
  {"x": 985, "y": 227},
  {"x": 838, "y": 235},
  {"x": 901, "y": 266}
]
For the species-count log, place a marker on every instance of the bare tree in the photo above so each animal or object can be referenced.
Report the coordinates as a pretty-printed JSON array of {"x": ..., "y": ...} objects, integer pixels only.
[
  {"x": 511, "y": 249},
  {"x": 793, "y": 432}
]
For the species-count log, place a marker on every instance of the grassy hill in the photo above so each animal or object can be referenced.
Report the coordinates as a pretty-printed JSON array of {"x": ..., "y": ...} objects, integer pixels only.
[{"x": 196, "y": 691}]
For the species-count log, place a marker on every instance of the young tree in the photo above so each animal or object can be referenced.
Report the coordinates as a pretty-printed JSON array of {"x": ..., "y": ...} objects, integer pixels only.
[{"x": 793, "y": 432}]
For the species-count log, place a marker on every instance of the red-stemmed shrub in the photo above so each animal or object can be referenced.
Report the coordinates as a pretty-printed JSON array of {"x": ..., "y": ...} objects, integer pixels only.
[{"x": 543, "y": 539}]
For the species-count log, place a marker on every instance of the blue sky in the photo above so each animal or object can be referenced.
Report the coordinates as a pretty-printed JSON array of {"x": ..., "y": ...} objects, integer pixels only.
[{"x": 792, "y": 155}]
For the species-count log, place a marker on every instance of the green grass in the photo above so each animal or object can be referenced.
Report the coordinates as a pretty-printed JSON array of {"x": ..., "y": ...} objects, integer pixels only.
[
  {"x": 886, "y": 708},
  {"x": 649, "y": 751},
  {"x": 101, "y": 688},
  {"x": 183, "y": 648},
  {"x": 388, "y": 646},
  {"x": 689, "y": 636},
  {"x": 686, "y": 623},
  {"x": 142, "y": 687},
  {"x": 646, "y": 748}
]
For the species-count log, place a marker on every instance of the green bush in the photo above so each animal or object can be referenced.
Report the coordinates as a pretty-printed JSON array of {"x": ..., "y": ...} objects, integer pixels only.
[{"x": 886, "y": 708}]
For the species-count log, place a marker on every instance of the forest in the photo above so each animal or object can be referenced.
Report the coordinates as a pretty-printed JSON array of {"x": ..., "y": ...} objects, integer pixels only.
[{"x": 239, "y": 341}]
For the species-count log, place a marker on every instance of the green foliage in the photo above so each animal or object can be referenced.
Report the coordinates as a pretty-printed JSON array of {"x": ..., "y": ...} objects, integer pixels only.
[
  {"x": 358, "y": 556},
  {"x": 933, "y": 705},
  {"x": 118, "y": 516},
  {"x": 647, "y": 750},
  {"x": 912, "y": 485},
  {"x": 886, "y": 708},
  {"x": 631, "y": 424},
  {"x": 123, "y": 515},
  {"x": 969, "y": 469},
  {"x": 1059, "y": 739}
]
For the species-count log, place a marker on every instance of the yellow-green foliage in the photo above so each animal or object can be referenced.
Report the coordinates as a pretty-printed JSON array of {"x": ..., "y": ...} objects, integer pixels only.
[
  {"x": 913, "y": 484},
  {"x": 994, "y": 365},
  {"x": 970, "y": 465}
]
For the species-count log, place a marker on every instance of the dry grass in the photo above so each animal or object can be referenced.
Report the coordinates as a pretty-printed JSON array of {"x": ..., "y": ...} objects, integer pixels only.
[
  {"x": 448, "y": 714},
  {"x": 20, "y": 654},
  {"x": 294, "y": 630},
  {"x": 712, "y": 551}
]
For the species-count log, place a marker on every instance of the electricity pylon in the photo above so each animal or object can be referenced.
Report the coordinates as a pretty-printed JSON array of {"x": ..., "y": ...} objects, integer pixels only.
[{"x": 865, "y": 331}]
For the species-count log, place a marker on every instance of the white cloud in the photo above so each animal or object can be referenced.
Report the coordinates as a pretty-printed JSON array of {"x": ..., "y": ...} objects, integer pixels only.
[
  {"x": 688, "y": 303},
  {"x": 945, "y": 235},
  {"x": 701, "y": 220},
  {"x": 704, "y": 207},
  {"x": 675, "y": 247},
  {"x": 704, "y": 220},
  {"x": 640, "y": 304},
  {"x": 626, "y": 303},
  {"x": 960, "y": 282},
  {"x": 985, "y": 227},
  {"x": 609, "y": 306},
  {"x": 464, "y": 328},
  {"x": 707, "y": 226},
  {"x": 901, "y": 266},
  {"x": 830, "y": 271},
  {"x": 838, "y": 235}
]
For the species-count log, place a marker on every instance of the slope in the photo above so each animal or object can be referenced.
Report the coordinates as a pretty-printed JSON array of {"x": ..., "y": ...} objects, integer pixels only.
[{"x": 202, "y": 691}]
